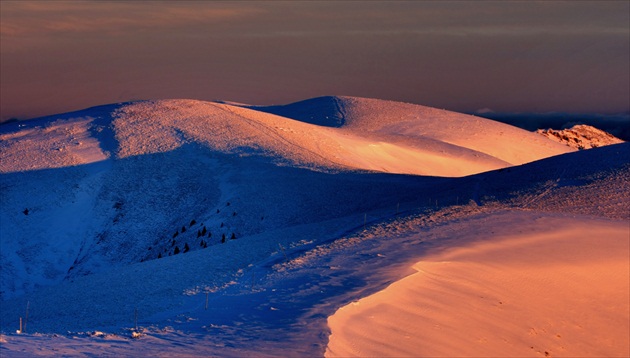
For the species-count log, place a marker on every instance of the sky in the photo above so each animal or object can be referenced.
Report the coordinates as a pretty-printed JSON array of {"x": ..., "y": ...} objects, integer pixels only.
[{"x": 467, "y": 56}]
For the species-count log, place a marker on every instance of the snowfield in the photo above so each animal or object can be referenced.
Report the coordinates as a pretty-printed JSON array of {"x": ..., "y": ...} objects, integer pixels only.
[{"x": 187, "y": 228}]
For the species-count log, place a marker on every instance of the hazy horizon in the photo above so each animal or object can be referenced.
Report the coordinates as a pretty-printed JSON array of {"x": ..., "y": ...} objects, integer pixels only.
[{"x": 506, "y": 57}]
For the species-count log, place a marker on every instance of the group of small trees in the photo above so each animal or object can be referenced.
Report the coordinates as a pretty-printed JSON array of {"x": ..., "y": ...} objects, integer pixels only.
[
  {"x": 186, "y": 249},
  {"x": 202, "y": 233}
]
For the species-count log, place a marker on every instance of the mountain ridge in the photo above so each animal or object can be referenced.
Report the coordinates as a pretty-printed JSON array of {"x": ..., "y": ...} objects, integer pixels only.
[
  {"x": 375, "y": 135},
  {"x": 144, "y": 170}
]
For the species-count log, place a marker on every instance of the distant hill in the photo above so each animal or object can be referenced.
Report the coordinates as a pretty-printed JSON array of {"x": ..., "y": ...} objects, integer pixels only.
[
  {"x": 615, "y": 124},
  {"x": 580, "y": 136}
]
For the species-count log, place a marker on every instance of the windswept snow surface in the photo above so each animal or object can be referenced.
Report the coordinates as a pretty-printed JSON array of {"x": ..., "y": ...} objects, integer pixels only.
[
  {"x": 314, "y": 230},
  {"x": 557, "y": 286}
]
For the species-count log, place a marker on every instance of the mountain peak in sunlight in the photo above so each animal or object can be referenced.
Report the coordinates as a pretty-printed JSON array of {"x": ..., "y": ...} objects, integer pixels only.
[{"x": 329, "y": 133}]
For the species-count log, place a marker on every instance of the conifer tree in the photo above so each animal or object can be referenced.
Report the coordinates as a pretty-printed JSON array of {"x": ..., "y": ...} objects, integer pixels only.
[
  {"x": 186, "y": 247},
  {"x": 233, "y": 237},
  {"x": 176, "y": 250},
  {"x": 223, "y": 239}
]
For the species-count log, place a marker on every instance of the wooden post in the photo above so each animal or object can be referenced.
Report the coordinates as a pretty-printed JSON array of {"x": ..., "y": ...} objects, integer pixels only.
[
  {"x": 364, "y": 221},
  {"x": 207, "y": 293},
  {"x": 135, "y": 317},
  {"x": 20, "y": 331}
]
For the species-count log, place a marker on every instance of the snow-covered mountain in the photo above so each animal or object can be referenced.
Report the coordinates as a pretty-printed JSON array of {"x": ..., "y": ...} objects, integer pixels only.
[
  {"x": 580, "y": 136},
  {"x": 119, "y": 184},
  {"x": 367, "y": 134},
  {"x": 152, "y": 203}
]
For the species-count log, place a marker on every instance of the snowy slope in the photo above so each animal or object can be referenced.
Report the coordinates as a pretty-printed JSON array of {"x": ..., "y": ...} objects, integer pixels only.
[
  {"x": 548, "y": 275},
  {"x": 266, "y": 300},
  {"x": 88, "y": 218},
  {"x": 58, "y": 141},
  {"x": 530, "y": 286},
  {"x": 458, "y": 139}
]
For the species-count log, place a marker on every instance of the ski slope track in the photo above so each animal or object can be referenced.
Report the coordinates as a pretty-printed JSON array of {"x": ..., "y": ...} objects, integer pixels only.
[{"x": 154, "y": 206}]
